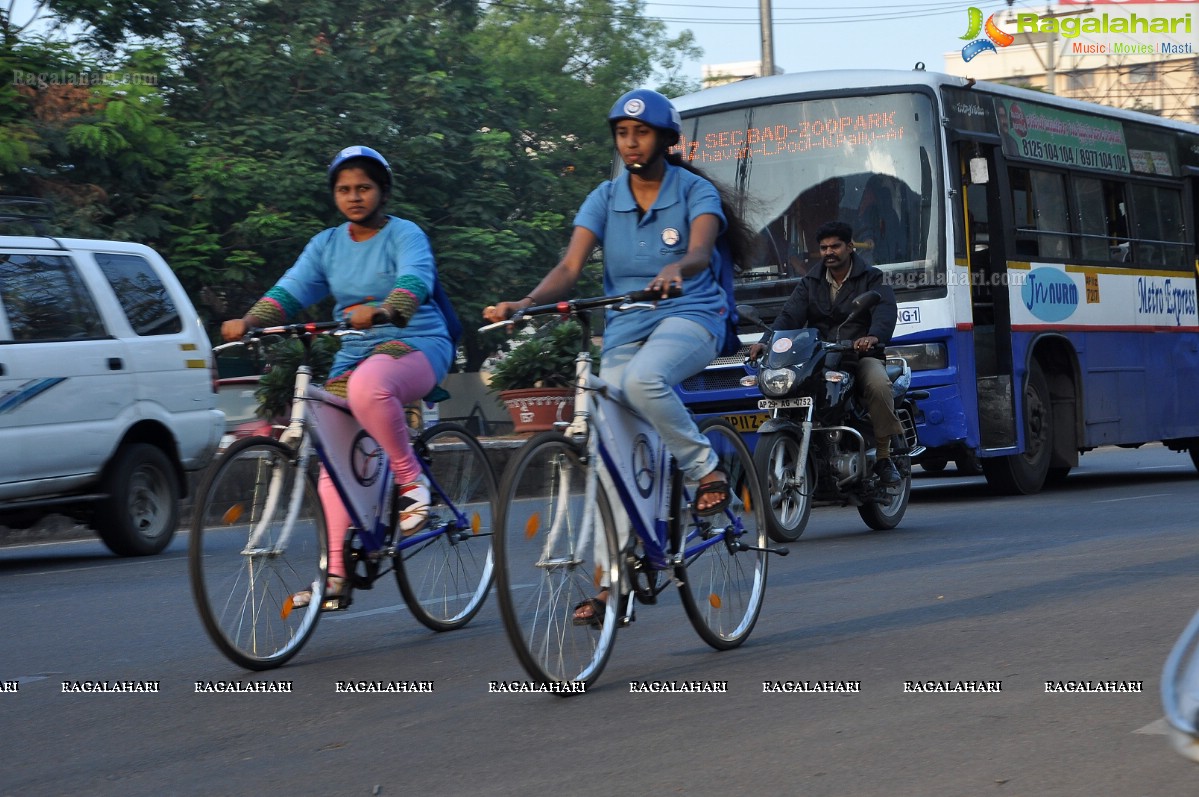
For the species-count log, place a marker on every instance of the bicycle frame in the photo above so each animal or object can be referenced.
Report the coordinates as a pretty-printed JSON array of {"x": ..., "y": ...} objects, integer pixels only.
[
  {"x": 366, "y": 496},
  {"x": 635, "y": 466}
]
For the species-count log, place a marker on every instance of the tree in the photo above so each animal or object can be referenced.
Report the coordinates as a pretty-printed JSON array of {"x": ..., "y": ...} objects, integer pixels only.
[{"x": 494, "y": 122}]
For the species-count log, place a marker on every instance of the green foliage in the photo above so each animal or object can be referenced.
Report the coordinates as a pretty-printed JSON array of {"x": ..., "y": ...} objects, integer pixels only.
[
  {"x": 493, "y": 118},
  {"x": 277, "y": 385},
  {"x": 545, "y": 359}
]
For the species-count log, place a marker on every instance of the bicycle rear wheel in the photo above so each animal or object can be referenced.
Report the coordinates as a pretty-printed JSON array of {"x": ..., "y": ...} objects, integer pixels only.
[
  {"x": 257, "y": 538},
  {"x": 551, "y": 557},
  {"x": 445, "y": 570},
  {"x": 723, "y": 584}
]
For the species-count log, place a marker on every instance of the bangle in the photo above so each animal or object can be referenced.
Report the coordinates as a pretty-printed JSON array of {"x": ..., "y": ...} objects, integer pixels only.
[{"x": 530, "y": 298}]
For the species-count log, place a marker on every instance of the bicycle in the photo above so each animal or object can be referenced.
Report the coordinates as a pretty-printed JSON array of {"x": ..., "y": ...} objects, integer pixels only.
[
  {"x": 1180, "y": 691},
  {"x": 557, "y": 540},
  {"x": 258, "y": 534}
]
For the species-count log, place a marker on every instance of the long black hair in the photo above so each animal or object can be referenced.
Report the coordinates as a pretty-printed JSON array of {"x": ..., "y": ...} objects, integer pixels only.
[{"x": 743, "y": 241}]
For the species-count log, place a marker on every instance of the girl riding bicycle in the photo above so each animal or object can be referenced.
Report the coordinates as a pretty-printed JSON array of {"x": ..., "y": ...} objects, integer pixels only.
[
  {"x": 381, "y": 273},
  {"x": 658, "y": 224}
]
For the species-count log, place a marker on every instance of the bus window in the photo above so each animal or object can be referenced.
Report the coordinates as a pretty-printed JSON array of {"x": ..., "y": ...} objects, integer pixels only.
[
  {"x": 1158, "y": 216},
  {"x": 803, "y": 163},
  {"x": 883, "y": 236},
  {"x": 1039, "y": 205},
  {"x": 1103, "y": 230}
]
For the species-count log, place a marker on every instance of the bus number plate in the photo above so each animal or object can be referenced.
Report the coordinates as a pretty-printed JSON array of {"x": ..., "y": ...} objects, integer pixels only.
[
  {"x": 783, "y": 404},
  {"x": 747, "y": 423}
]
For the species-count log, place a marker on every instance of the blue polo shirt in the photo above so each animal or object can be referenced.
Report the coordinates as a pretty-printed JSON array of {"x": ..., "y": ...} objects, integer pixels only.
[
  {"x": 635, "y": 250},
  {"x": 364, "y": 272}
]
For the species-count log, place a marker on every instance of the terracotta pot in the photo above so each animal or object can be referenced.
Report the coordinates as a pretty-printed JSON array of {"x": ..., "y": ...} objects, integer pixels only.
[{"x": 536, "y": 409}]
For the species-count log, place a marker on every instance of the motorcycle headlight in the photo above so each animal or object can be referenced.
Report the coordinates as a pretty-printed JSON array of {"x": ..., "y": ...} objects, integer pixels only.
[{"x": 776, "y": 382}]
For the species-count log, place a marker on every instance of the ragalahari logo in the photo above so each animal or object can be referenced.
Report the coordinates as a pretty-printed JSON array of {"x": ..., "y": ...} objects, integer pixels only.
[{"x": 995, "y": 36}]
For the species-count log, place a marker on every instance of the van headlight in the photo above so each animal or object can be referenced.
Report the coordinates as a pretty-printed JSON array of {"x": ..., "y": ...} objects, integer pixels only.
[
  {"x": 922, "y": 356},
  {"x": 776, "y": 382}
]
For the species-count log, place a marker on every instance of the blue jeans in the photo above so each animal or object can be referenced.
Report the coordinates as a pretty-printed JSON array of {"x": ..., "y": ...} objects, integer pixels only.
[{"x": 646, "y": 373}]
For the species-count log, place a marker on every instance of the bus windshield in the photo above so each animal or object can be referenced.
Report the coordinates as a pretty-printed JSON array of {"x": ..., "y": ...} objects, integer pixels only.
[{"x": 869, "y": 161}]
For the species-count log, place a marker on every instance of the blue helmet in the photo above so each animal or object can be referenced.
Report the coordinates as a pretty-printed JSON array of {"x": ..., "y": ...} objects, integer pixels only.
[
  {"x": 649, "y": 107},
  {"x": 355, "y": 152}
]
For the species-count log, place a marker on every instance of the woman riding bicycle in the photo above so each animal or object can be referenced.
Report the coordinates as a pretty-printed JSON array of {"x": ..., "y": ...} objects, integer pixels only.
[
  {"x": 658, "y": 225},
  {"x": 381, "y": 273}
]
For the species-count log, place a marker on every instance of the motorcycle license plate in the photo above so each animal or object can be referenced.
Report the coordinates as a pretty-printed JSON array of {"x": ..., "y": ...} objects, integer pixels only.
[{"x": 784, "y": 404}]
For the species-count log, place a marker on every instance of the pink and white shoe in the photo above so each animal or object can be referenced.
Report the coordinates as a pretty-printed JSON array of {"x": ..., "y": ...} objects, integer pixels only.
[{"x": 413, "y": 503}]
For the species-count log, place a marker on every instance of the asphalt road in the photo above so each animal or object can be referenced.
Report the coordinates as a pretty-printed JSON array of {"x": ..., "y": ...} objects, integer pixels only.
[{"x": 1088, "y": 582}]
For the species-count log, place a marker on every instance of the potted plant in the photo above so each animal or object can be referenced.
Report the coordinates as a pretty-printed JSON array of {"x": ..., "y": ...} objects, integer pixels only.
[{"x": 534, "y": 378}]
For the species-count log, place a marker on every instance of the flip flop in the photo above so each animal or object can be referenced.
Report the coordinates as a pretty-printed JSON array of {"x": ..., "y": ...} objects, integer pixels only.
[
  {"x": 598, "y": 607},
  {"x": 712, "y": 488}
]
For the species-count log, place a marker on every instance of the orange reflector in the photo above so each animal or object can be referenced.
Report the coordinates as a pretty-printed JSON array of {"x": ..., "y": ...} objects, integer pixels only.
[
  {"x": 233, "y": 514},
  {"x": 714, "y": 600},
  {"x": 532, "y": 525},
  {"x": 476, "y": 523},
  {"x": 745, "y": 499},
  {"x": 288, "y": 605},
  {"x": 599, "y": 575}
]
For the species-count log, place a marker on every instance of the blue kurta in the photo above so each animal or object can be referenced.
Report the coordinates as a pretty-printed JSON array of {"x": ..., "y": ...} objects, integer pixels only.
[{"x": 365, "y": 272}]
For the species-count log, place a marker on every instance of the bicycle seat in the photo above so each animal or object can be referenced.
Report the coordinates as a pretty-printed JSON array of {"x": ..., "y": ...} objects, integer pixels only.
[{"x": 317, "y": 394}]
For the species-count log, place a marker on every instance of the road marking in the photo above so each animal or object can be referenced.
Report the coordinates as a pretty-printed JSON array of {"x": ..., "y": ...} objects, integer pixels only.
[
  {"x": 1155, "y": 728},
  {"x": 1132, "y": 498},
  {"x": 400, "y": 607}
]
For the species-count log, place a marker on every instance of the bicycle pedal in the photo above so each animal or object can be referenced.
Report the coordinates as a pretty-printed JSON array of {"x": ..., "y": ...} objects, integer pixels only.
[{"x": 337, "y": 604}]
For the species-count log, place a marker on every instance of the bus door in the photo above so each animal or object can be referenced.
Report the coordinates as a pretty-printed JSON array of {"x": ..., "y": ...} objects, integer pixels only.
[{"x": 989, "y": 298}]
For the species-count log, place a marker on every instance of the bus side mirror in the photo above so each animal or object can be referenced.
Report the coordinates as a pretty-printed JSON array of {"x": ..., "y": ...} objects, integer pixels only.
[{"x": 979, "y": 174}]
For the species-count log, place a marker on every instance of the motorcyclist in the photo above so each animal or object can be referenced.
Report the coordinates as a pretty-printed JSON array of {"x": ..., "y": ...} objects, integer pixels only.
[{"x": 822, "y": 300}]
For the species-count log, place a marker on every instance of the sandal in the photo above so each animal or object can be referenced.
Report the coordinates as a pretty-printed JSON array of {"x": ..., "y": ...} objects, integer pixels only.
[
  {"x": 719, "y": 487},
  {"x": 334, "y": 588},
  {"x": 591, "y": 611}
]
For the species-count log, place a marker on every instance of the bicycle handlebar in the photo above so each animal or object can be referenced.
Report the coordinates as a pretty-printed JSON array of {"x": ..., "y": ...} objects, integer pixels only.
[
  {"x": 575, "y": 306},
  {"x": 289, "y": 330}
]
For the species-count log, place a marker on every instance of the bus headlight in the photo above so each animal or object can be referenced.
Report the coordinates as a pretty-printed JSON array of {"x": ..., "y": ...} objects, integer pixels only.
[
  {"x": 776, "y": 382},
  {"x": 922, "y": 356}
]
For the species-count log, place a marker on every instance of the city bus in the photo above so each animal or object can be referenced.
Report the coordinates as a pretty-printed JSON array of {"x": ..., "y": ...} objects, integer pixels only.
[{"x": 1042, "y": 252}]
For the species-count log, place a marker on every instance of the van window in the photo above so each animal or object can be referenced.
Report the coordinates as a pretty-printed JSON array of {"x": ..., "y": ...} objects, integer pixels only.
[
  {"x": 142, "y": 294},
  {"x": 45, "y": 299}
]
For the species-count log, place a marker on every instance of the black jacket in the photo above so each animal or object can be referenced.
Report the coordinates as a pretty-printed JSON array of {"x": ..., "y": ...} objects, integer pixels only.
[{"x": 810, "y": 305}]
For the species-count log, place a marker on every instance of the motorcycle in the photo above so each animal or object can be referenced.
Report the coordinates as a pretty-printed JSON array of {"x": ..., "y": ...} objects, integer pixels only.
[{"x": 818, "y": 444}]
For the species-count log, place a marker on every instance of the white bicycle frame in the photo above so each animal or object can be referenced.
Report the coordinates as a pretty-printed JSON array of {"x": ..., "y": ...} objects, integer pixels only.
[
  {"x": 333, "y": 428},
  {"x": 629, "y": 462}
]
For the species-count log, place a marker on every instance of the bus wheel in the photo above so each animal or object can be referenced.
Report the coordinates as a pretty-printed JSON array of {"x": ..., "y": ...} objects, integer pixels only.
[{"x": 1024, "y": 474}]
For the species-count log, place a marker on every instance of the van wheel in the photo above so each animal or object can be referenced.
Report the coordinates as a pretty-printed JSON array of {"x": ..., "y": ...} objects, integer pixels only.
[{"x": 139, "y": 516}]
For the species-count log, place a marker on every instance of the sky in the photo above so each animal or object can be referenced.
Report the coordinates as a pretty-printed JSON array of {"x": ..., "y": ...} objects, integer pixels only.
[
  {"x": 828, "y": 34},
  {"x": 856, "y": 34},
  {"x": 821, "y": 34}
]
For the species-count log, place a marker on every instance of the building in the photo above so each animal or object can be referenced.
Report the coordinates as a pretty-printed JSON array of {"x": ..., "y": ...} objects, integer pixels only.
[
  {"x": 719, "y": 74},
  {"x": 1141, "y": 57}
]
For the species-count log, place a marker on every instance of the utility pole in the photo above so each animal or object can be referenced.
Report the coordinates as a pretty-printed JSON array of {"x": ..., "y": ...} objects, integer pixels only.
[
  {"x": 767, "y": 23},
  {"x": 1049, "y": 62}
]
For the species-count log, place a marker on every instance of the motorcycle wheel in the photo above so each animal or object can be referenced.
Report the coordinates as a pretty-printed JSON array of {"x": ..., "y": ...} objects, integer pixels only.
[
  {"x": 786, "y": 485},
  {"x": 883, "y": 517}
]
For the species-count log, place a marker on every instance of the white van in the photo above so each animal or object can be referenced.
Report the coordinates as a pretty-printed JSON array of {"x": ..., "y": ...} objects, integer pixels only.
[{"x": 107, "y": 396}]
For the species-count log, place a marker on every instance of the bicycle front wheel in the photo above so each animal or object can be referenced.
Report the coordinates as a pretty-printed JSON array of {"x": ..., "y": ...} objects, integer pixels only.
[
  {"x": 257, "y": 538},
  {"x": 445, "y": 570},
  {"x": 555, "y": 549},
  {"x": 723, "y": 582}
]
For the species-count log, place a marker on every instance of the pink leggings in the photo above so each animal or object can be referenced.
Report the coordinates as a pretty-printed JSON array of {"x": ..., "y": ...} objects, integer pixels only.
[{"x": 378, "y": 389}]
